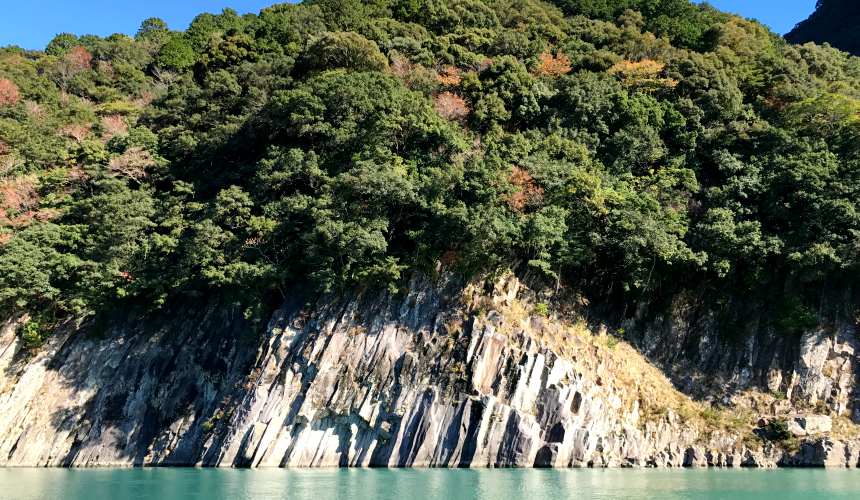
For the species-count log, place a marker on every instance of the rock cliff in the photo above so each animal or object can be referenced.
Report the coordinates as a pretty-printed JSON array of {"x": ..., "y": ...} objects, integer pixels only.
[{"x": 440, "y": 375}]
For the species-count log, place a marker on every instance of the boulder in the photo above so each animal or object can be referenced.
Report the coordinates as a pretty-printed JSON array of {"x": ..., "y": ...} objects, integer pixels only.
[{"x": 809, "y": 425}]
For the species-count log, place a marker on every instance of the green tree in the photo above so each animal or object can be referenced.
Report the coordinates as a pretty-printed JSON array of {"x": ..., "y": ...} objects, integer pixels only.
[
  {"x": 153, "y": 28},
  {"x": 176, "y": 54},
  {"x": 344, "y": 50}
]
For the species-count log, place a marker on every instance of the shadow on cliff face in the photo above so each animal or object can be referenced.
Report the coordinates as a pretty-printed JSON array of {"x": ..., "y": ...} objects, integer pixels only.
[
  {"x": 714, "y": 357},
  {"x": 150, "y": 389},
  {"x": 10, "y": 349}
]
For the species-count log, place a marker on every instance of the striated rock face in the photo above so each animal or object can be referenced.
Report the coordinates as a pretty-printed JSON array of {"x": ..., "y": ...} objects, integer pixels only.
[
  {"x": 417, "y": 386},
  {"x": 818, "y": 371},
  {"x": 436, "y": 377}
]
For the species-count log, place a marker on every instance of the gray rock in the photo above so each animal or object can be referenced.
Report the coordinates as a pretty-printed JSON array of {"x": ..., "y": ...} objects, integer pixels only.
[
  {"x": 365, "y": 380},
  {"x": 810, "y": 425}
]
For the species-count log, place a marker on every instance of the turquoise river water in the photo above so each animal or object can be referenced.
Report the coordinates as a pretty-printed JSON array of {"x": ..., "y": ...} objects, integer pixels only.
[{"x": 384, "y": 484}]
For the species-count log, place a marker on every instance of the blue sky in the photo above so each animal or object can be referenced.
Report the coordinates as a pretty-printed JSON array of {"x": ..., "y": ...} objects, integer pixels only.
[
  {"x": 33, "y": 23},
  {"x": 780, "y": 15}
]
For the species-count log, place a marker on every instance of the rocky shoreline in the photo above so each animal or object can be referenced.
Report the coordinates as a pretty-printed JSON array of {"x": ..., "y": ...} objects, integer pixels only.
[{"x": 436, "y": 377}]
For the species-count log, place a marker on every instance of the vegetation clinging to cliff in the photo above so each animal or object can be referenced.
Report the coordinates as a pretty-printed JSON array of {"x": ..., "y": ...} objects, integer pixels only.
[{"x": 627, "y": 149}]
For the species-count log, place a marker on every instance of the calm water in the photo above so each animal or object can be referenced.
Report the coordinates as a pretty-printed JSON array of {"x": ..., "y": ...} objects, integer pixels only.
[{"x": 176, "y": 484}]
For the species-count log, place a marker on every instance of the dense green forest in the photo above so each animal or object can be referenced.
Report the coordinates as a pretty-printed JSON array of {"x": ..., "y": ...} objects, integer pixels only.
[
  {"x": 628, "y": 150},
  {"x": 836, "y": 22}
]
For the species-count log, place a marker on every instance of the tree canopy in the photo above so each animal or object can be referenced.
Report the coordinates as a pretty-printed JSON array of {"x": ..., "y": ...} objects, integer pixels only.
[{"x": 628, "y": 150}]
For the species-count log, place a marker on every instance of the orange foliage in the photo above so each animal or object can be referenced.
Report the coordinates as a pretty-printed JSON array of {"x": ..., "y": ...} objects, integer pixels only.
[
  {"x": 484, "y": 64},
  {"x": 79, "y": 58},
  {"x": 553, "y": 65},
  {"x": 450, "y": 76},
  {"x": 18, "y": 194},
  {"x": 646, "y": 74},
  {"x": 645, "y": 67},
  {"x": 113, "y": 125},
  {"x": 451, "y": 106},
  {"x": 18, "y": 200},
  {"x": 9, "y": 95},
  {"x": 528, "y": 192}
]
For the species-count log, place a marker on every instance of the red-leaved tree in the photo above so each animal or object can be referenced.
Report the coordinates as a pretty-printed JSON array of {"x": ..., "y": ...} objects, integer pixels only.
[
  {"x": 79, "y": 58},
  {"x": 76, "y": 60},
  {"x": 451, "y": 106},
  {"x": 9, "y": 95}
]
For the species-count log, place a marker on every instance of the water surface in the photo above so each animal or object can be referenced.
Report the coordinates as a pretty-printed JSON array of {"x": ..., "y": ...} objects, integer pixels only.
[{"x": 384, "y": 484}]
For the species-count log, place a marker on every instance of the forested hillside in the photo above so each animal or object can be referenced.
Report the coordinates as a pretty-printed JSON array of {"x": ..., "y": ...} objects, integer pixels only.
[
  {"x": 625, "y": 150},
  {"x": 836, "y": 22}
]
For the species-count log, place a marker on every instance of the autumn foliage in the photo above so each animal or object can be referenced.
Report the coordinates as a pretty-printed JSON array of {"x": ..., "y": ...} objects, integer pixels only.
[
  {"x": 18, "y": 200},
  {"x": 79, "y": 58},
  {"x": 132, "y": 164},
  {"x": 528, "y": 192},
  {"x": 76, "y": 131},
  {"x": 449, "y": 76},
  {"x": 451, "y": 106},
  {"x": 113, "y": 125},
  {"x": 553, "y": 65},
  {"x": 9, "y": 95},
  {"x": 400, "y": 66},
  {"x": 646, "y": 74}
]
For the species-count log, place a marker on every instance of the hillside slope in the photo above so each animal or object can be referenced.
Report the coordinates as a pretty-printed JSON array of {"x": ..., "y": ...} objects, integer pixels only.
[
  {"x": 628, "y": 155},
  {"x": 681, "y": 180}
]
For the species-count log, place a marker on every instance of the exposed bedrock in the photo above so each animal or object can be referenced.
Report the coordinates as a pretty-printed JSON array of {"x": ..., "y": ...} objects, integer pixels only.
[{"x": 437, "y": 377}]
